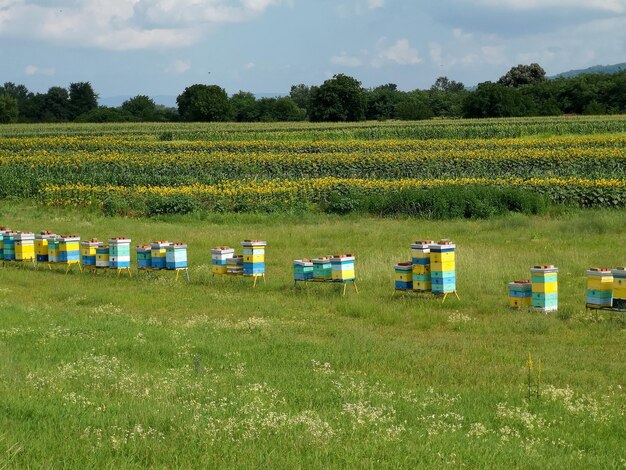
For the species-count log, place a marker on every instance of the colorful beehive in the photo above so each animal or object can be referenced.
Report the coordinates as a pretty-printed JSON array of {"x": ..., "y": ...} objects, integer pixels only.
[
  {"x": 599, "y": 288},
  {"x": 144, "y": 257},
  {"x": 3, "y": 230},
  {"x": 8, "y": 248},
  {"x": 234, "y": 265},
  {"x": 322, "y": 268},
  {"x": 253, "y": 257},
  {"x": 24, "y": 246},
  {"x": 404, "y": 275},
  {"x": 102, "y": 257},
  {"x": 443, "y": 267},
  {"x": 302, "y": 269},
  {"x": 420, "y": 254},
  {"x": 342, "y": 267},
  {"x": 619, "y": 288},
  {"x": 176, "y": 256},
  {"x": 219, "y": 257},
  {"x": 119, "y": 253},
  {"x": 41, "y": 245},
  {"x": 69, "y": 249},
  {"x": 88, "y": 252},
  {"x": 520, "y": 293},
  {"x": 54, "y": 252},
  {"x": 158, "y": 253},
  {"x": 545, "y": 288}
]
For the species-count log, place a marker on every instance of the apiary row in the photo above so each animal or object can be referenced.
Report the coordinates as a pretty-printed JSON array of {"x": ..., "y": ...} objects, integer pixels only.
[
  {"x": 337, "y": 268},
  {"x": 251, "y": 262}
]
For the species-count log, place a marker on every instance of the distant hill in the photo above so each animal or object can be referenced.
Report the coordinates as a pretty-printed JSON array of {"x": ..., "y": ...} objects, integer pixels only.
[{"x": 607, "y": 69}]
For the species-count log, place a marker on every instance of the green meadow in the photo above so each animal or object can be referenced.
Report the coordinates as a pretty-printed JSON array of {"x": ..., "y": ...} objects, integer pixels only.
[{"x": 100, "y": 370}]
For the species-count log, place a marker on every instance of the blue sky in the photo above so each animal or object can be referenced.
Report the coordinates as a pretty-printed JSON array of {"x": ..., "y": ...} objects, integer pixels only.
[{"x": 158, "y": 47}]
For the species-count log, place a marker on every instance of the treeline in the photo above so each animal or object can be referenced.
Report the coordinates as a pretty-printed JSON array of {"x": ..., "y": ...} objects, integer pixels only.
[{"x": 523, "y": 91}]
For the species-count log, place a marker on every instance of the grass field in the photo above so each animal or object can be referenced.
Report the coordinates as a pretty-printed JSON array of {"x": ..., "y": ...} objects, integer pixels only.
[{"x": 100, "y": 371}]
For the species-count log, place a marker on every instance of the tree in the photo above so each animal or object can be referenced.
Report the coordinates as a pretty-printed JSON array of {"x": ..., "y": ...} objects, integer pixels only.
[
  {"x": 244, "y": 107},
  {"x": 381, "y": 102},
  {"x": 82, "y": 99},
  {"x": 301, "y": 95},
  {"x": 340, "y": 98},
  {"x": 9, "y": 109},
  {"x": 142, "y": 108},
  {"x": 413, "y": 106},
  {"x": 446, "y": 85},
  {"x": 523, "y": 75},
  {"x": 495, "y": 100},
  {"x": 57, "y": 104},
  {"x": 203, "y": 103}
]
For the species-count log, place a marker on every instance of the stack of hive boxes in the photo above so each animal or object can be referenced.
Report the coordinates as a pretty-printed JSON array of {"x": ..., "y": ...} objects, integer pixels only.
[
  {"x": 302, "y": 269},
  {"x": 234, "y": 265},
  {"x": 8, "y": 247},
  {"x": 219, "y": 255},
  {"x": 420, "y": 254},
  {"x": 41, "y": 245},
  {"x": 253, "y": 257},
  {"x": 619, "y": 288},
  {"x": 342, "y": 268},
  {"x": 119, "y": 253},
  {"x": 25, "y": 246},
  {"x": 88, "y": 252},
  {"x": 158, "y": 254},
  {"x": 599, "y": 288},
  {"x": 545, "y": 288},
  {"x": 69, "y": 249},
  {"x": 54, "y": 251},
  {"x": 102, "y": 256},
  {"x": 404, "y": 276},
  {"x": 322, "y": 269},
  {"x": 520, "y": 293},
  {"x": 176, "y": 256},
  {"x": 443, "y": 267},
  {"x": 144, "y": 257},
  {"x": 3, "y": 230}
]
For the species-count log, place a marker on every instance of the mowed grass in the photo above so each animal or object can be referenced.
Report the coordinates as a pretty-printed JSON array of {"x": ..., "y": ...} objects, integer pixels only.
[{"x": 106, "y": 371}]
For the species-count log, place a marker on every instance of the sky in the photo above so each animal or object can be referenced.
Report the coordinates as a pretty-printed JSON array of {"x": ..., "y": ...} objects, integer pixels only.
[{"x": 159, "y": 47}]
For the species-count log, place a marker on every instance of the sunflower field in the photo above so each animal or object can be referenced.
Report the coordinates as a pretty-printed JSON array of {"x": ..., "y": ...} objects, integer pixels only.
[{"x": 434, "y": 169}]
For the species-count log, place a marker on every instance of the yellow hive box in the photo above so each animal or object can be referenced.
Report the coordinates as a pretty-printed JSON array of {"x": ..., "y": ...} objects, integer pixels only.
[
  {"x": 253, "y": 258},
  {"x": 442, "y": 257},
  {"x": 404, "y": 277},
  {"x": 520, "y": 301},
  {"x": 442, "y": 267},
  {"x": 419, "y": 254},
  {"x": 617, "y": 283},
  {"x": 41, "y": 247},
  {"x": 343, "y": 275},
  {"x": 71, "y": 246},
  {"x": 23, "y": 253},
  {"x": 619, "y": 292},
  {"x": 88, "y": 250},
  {"x": 218, "y": 269},
  {"x": 422, "y": 285},
  {"x": 421, "y": 269},
  {"x": 600, "y": 283},
  {"x": 545, "y": 288}
]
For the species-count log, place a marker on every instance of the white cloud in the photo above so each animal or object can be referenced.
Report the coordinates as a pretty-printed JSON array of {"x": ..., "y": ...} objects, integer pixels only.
[
  {"x": 178, "y": 67},
  {"x": 345, "y": 60},
  {"x": 436, "y": 53},
  {"x": 124, "y": 24},
  {"x": 248, "y": 66},
  {"x": 400, "y": 53},
  {"x": 34, "y": 70},
  {"x": 373, "y": 4},
  {"x": 614, "y": 6}
]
